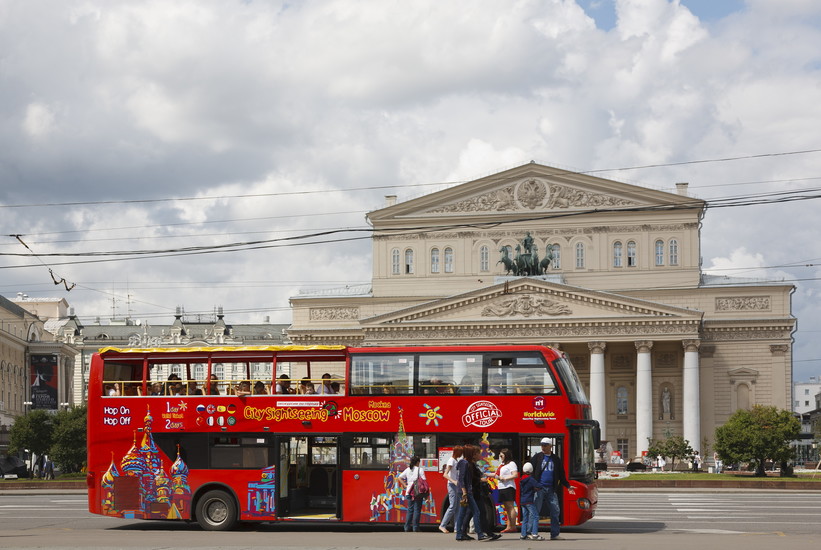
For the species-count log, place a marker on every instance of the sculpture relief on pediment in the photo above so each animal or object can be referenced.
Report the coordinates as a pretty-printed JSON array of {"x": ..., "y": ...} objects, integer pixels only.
[
  {"x": 499, "y": 200},
  {"x": 567, "y": 197},
  {"x": 532, "y": 194},
  {"x": 525, "y": 305}
]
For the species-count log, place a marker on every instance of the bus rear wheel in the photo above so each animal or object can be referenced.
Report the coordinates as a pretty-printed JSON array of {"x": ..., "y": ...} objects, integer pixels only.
[{"x": 216, "y": 511}]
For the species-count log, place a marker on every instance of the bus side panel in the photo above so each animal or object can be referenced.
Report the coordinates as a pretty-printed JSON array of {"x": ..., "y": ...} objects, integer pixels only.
[{"x": 374, "y": 496}]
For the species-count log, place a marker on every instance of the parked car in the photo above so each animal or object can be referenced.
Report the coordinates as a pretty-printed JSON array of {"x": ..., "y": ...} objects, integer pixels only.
[
  {"x": 12, "y": 467},
  {"x": 636, "y": 465}
]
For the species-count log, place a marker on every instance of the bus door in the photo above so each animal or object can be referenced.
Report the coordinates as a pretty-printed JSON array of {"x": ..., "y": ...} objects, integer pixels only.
[{"x": 309, "y": 475}]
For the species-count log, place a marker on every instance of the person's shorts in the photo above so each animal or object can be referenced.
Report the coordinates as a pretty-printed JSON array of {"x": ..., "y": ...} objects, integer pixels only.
[{"x": 507, "y": 495}]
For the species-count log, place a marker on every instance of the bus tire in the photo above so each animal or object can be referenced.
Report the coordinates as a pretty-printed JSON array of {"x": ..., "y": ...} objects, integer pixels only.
[{"x": 216, "y": 511}]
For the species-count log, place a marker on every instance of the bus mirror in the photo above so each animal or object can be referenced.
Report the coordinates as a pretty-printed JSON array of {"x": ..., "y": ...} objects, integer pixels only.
[{"x": 596, "y": 435}]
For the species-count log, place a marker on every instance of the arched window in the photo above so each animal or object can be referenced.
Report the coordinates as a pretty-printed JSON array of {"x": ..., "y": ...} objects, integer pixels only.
[
  {"x": 621, "y": 401},
  {"x": 484, "y": 258},
  {"x": 448, "y": 260},
  {"x": 631, "y": 254},
  {"x": 409, "y": 261},
  {"x": 395, "y": 262},
  {"x": 434, "y": 260},
  {"x": 659, "y": 252},
  {"x": 673, "y": 252},
  {"x": 579, "y": 255},
  {"x": 617, "y": 254},
  {"x": 556, "y": 262}
]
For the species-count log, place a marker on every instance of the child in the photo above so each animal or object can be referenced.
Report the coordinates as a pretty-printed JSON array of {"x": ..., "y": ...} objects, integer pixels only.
[{"x": 530, "y": 516}]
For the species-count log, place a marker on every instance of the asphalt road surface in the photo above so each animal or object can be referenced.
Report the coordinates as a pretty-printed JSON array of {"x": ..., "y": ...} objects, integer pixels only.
[{"x": 665, "y": 520}]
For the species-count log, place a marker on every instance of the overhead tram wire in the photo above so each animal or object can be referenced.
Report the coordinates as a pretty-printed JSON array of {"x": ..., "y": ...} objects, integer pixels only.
[
  {"x": 414, "y": 230},
  {"x": 401, "y": 186}
]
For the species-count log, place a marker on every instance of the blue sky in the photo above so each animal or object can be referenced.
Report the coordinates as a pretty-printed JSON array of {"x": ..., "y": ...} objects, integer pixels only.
[{"x": 708, "y": 11}]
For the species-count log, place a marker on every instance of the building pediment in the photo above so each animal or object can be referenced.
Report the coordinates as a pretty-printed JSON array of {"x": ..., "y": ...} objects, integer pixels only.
[
  {"x": 530, "y": 299},
  {"x": 531, "y": 188}
]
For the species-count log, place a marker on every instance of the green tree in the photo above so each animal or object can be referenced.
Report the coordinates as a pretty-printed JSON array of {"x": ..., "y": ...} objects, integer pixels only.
[
  {"x": 758, "y": 435},
  {"x": 68, "y": 449},
  {"x": 674, "y": 447},
  {"x": 31, "y": 432}
]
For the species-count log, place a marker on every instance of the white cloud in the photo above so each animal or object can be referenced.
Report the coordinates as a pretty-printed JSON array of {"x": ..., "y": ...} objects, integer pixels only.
[
  {"x": 39, "y": 120},
  {"x": 116, "y": 100}
]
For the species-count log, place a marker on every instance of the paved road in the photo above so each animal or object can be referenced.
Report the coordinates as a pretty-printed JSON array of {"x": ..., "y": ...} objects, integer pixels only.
[{"x": 635, "y": 521}]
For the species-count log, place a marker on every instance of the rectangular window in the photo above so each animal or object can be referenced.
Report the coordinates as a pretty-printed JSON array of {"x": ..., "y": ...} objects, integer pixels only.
[
  {"x": 232, "y": 452},
  {"x": 449, "y": 374},
  {"x": 520, "y": 375},
  {"x": 381, "y": 374},
  {"x": 371, "y": 452},
  {"x": 434, "y": 260}
]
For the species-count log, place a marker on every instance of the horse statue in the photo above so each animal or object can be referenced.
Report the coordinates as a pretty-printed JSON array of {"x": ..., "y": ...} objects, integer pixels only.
[
  {"x": 510, "y": 265},
  {"x": 545, "y": 263}
]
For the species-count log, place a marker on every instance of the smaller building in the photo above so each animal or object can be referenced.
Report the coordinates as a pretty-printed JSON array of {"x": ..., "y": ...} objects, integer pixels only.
[{"x": 806, "y": 395}]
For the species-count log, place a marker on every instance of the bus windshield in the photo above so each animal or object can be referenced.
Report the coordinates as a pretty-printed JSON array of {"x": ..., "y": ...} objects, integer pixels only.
[{"x": 575, "y": 390}]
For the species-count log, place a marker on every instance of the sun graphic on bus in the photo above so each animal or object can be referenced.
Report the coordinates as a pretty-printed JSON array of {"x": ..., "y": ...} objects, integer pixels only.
[{"x": 431, "y": 414}]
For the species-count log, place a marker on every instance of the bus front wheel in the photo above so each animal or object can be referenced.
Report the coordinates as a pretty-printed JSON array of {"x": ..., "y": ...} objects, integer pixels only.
[{"x": 216, "y": 511}]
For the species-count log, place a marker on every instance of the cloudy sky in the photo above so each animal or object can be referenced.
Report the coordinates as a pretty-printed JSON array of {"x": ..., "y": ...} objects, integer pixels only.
[{"x": 153, "y": 126}]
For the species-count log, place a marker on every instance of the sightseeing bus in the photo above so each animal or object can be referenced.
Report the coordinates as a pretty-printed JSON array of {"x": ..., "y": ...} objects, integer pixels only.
[{"x": 219, "y": 435}]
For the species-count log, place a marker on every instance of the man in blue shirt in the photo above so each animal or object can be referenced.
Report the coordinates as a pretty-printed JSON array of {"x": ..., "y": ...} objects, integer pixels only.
[{"x": 549, "y": 473}]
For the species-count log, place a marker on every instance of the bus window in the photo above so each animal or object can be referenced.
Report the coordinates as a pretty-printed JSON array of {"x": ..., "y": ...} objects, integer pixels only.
[
  {"x": 449, "y": 374},
  {"x": 520, "y": 375},
  {"x": 122, "y": 378},
  {"x": 372, "y": 452},
  {"x": 239, "y": 452},
  {"x": 381, "y": 374}
]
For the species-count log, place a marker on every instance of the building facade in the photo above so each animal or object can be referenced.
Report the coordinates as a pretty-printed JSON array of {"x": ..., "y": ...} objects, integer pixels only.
[
  {"x": 662, "y": 348},
  {"x": 807, "y": 395},
  {"x": 35, "y": 368}
]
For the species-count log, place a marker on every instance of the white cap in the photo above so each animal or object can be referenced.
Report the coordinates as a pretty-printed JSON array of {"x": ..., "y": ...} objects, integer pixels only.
[
  {"x": 547, "y": 441},
  {"x": 528, "y": 468}
]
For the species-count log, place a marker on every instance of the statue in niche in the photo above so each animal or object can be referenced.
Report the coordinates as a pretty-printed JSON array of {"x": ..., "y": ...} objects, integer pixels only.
[{"x": 666, "y": 405}]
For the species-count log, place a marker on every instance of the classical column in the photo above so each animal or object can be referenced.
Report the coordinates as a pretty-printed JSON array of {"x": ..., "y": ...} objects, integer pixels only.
[
  {"x": 598, "y": 400},
  {"x": 691, "y": 402},
  {"x": 644, "y": 395}
]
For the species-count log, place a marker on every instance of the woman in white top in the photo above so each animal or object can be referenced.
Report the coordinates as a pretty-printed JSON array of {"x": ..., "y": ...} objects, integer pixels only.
[
  {"x": 453, "y": 490},
  {"x": 408, "y": 479},
  {"x": 507, "y": 474}
]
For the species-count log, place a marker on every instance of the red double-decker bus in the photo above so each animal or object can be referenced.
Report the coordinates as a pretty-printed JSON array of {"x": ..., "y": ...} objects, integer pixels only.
[{"x": 219, "y": 435}]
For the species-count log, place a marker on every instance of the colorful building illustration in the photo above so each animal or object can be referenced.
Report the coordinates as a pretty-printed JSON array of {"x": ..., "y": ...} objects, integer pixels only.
[
  {"x": 391, "y": 504},
  {"x": 262, "y": 494},
  {"x": 140, "y": 487}
]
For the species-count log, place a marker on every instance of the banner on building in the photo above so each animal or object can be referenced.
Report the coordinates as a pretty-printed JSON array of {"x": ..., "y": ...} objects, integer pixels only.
[{"x": 44, "y": 382}]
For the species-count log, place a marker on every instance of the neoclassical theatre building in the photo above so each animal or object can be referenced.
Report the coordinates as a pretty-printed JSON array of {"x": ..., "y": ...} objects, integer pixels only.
[{"x": 609, "y": 273}]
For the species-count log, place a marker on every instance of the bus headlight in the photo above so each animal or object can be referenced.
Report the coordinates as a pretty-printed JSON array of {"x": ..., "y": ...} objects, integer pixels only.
[{"x": 583, "y": 503}]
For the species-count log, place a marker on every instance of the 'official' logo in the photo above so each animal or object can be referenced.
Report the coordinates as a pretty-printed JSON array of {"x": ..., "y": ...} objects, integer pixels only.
[{"x": 481, "y": 414}]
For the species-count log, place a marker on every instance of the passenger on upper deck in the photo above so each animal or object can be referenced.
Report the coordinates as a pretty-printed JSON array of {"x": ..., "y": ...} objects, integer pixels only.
[
  {"x": 259, "y": 388},
  {"x": 327, "y": 385},
  {"x": 243, "y": 388},
  {"x": 284, "y": 384},
  {"x": 306, "y": 387},
  {"x": 213, "y": 388}
]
